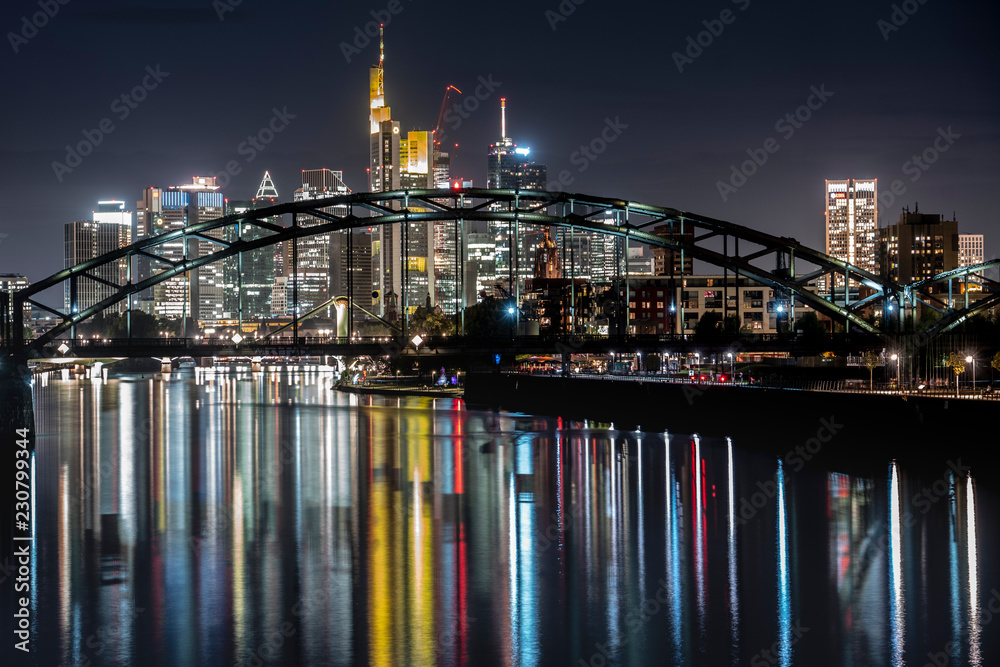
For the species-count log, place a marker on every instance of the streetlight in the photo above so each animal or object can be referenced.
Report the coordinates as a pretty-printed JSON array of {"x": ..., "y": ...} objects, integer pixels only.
[
  {"x": 732, "y": 369},
  {"x": 972, "y": 361}
]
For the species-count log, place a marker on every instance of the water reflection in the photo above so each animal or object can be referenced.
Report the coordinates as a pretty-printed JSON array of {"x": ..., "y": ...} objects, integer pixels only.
[{"x": 263, "y": 519}]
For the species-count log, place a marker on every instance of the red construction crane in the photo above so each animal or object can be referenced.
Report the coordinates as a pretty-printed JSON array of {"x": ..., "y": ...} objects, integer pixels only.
[{"x": 444, "y": 105}]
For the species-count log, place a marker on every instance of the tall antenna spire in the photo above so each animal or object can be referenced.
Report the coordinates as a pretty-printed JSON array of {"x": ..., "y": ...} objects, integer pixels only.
[
  {"x": 503, "y": 117},
  {"x": 381, "y": 59}
]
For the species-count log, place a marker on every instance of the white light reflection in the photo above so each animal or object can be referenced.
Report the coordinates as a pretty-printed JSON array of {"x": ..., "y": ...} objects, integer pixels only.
[
  {"x": 895, "y": 571},
  {"x": 975, "y": 654},
  {"x": 673, "y": 556},
  {"x": 784, "y": 592},
  {"x": 734, "y": 600},
  {"x": 953, "y": 576},
  {"x": 699, "y": 539}
]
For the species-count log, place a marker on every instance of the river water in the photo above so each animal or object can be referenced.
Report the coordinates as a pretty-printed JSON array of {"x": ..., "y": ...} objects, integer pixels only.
[{"x": 265, "y": 519}]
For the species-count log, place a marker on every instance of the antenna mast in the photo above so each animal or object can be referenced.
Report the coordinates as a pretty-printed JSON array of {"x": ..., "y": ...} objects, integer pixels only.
[
  {"x": 381, "y": 59},
  {"x": 503, "y": 117}
]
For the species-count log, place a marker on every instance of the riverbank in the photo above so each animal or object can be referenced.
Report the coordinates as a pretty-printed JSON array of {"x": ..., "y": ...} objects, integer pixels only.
[
  {"x": 401, "y": 390},
  {"x": 830, "y": 428}
]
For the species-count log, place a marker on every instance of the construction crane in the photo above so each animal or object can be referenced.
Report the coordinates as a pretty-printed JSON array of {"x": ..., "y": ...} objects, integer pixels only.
[{"x": 444, "y": 105}]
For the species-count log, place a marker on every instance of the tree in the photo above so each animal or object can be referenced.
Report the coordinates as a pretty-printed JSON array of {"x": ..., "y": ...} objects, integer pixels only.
[
  {"x": 488, "y": 319},
  {"x": 709, "y": 325},
  {"x": 810, "y": 326},
  {"x": 957, "y": 364},
  {"x": 431, "y": 322},
  {"x": 871, "y": 362},
  {"x": 996, "y": 361}
]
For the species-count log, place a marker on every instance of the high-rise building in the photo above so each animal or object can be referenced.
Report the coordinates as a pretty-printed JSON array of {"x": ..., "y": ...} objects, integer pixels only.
[
  {"x": 852, "y": 223},
  {"x": 307, "y": 261},
  {"x": 258, "y": 267},
  {"x": 351, "y": 268},
  {"x": 668, "y": 262},
  {"x": 919, "y": 246},
  {"x": 10, "y": 283},
  {"x": 508, "y": 168},
  {"x": 970, "y": 253},
  {"x": 198, "y": 294},
  {"x": 109, "y": 229}
]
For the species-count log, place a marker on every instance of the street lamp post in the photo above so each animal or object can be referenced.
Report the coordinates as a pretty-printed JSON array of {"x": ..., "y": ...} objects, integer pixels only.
[
  {"x": 972, "y": 361},
  {"x": 732, "y": 368}
]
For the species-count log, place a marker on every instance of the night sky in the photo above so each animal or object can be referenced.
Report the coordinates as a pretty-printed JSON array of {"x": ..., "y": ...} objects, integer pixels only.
[{"x": 890, "y": 91}]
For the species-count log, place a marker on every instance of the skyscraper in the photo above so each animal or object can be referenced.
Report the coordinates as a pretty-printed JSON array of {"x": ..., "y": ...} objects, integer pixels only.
[
  {"x": 109, "y": 229},
  {"x": 970, "y": 253},
  {"x": 309, "y": 273},
  {"x": 508, "y": 168},
  {"x": 918, "y": 247},
  {"x": 851, "y": 224},
  {"x": 162, "y": 210},
  {"x": 259, "y": 267}
]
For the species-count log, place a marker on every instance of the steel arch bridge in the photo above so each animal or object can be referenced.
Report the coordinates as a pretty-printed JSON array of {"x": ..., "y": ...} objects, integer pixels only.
[{"x": 683, "y": 232}]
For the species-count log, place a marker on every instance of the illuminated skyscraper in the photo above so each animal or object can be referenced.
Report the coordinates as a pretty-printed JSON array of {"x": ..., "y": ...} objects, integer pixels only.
[
  {"x": 197, "y": 294},
  {"x": 970, "y": 253},
  {"x": 110, "y": 229},
  {"x": 257, "y": 267},
  {"x": 309, "y": 273},
  {"x": 508, "y": 168},
  {"x": 852, "y": 223}
]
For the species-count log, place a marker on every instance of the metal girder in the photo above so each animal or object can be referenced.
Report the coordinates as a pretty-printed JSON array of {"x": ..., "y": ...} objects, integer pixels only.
[{"x": 523, "y": 206}]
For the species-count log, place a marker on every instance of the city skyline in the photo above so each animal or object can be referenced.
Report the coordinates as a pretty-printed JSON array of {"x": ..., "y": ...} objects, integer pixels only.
[{"x": 947, "y": 184}]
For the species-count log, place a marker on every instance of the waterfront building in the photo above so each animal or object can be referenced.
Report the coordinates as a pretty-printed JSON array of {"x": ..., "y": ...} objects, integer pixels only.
[{"x": 660, "y": 304}]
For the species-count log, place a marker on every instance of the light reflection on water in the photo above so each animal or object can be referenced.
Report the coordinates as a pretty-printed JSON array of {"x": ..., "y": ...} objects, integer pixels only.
[{"x": 263, "y": 519}]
